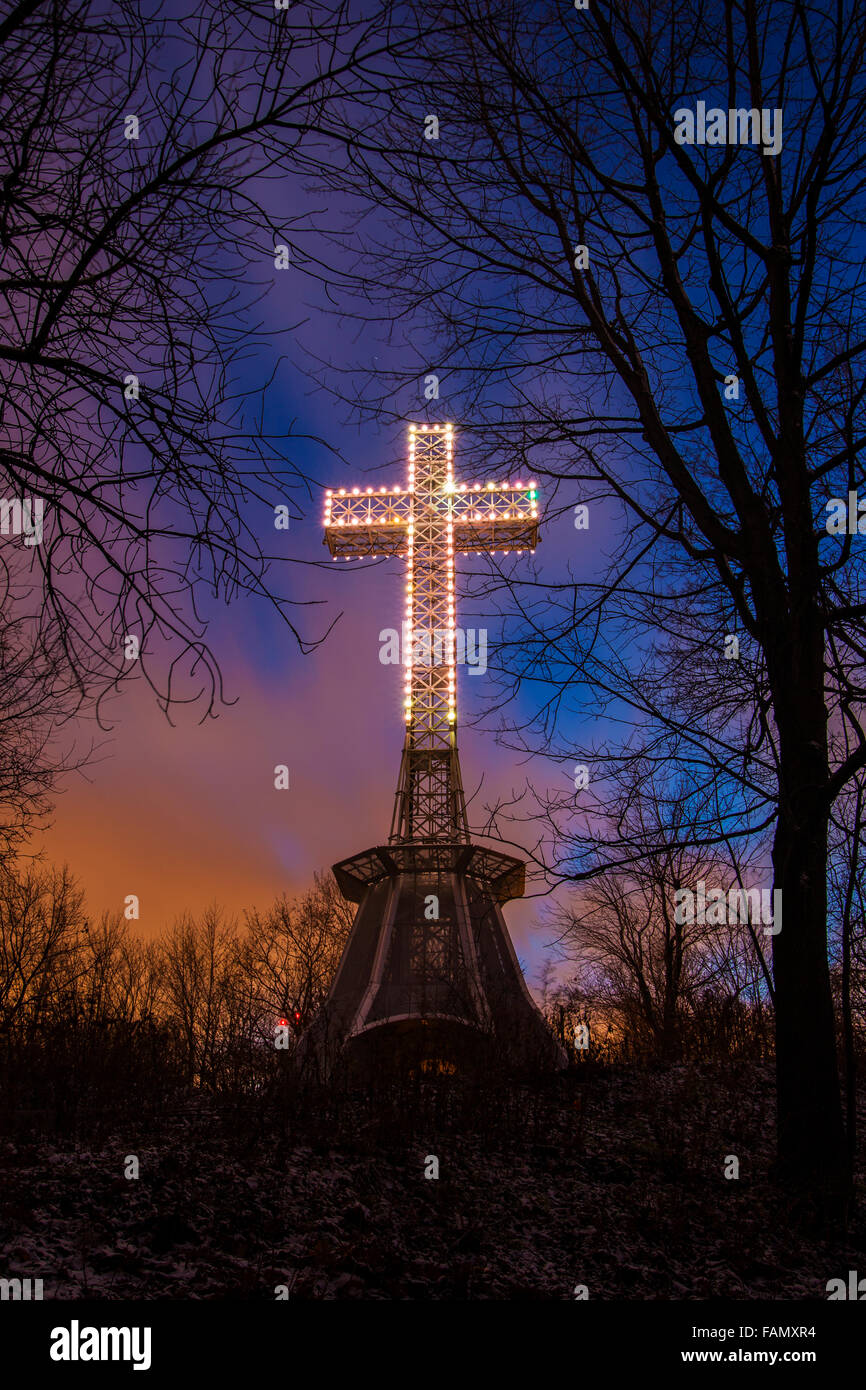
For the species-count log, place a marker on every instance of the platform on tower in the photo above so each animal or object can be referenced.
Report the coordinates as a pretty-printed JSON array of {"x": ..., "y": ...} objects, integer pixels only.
[{"x": 429, "y": 979}]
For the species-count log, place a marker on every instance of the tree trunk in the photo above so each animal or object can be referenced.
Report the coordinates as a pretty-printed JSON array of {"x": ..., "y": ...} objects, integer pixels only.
[
  {"x": 850, "y": 1051},
  {"x": 812, "y": 1152},
  {"x": 848, "y": 1044},
  {"x": 811, "y": 1138}
]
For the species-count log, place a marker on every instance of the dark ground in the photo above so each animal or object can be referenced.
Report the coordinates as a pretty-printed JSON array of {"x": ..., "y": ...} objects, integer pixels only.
[{"x": 614, "y": 1181}]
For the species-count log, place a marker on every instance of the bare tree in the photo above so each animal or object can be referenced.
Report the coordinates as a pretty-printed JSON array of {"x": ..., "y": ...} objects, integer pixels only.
[
  {"x": 140, "y": 223},
  {"x": 642, "y": 955},
  {"x": 199, "y": 961},
  {"x": 119, "y": 976},
  {"x": 849, "y": 916},
  {"x": 41, "y": 923},
  {"x": 293, "y": 950},
  {"x": 668, "y": 332},
  {"x": 644, "y": 962},
  {"x": 38, "y": 701}
]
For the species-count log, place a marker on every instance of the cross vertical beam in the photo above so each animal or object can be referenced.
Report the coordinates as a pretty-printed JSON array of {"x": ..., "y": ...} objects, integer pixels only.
[
  {"x": 429, "y": 804},
  {"x": 431, "y": 679},
  {"x": 428, "y": 523}
]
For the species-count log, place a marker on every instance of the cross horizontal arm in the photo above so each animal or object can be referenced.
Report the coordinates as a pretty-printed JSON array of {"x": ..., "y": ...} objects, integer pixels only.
[
  {"x": 363, "y": 522},
  {"x": 489, "y": 519}
]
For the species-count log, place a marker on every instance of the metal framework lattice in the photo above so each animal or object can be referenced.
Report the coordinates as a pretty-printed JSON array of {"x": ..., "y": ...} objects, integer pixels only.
[{"x": 428, "y": 522}]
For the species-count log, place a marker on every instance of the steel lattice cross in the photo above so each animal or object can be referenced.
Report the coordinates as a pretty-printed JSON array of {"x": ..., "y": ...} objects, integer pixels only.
[{"x": 428, "y": 522}]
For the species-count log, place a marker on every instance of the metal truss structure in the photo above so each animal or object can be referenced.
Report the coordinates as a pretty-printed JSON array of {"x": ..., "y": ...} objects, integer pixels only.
[
  {"x": 428, "y": 522},
  {"x": 499, "y": 874},
  {"x": 429, "y": 971}
]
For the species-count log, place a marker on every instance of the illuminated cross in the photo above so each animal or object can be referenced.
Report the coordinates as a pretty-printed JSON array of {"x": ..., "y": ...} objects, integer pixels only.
[{"x": 428, "y": 522}]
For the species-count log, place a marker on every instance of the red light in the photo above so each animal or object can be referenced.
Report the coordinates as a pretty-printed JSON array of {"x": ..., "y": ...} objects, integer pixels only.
[{"x": 283, "y": 1023}]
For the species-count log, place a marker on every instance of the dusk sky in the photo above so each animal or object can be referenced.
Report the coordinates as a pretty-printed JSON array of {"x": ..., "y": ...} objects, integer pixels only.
[
  {"x": 186, "y": 816},
  {"x": 584, "y": 277}
]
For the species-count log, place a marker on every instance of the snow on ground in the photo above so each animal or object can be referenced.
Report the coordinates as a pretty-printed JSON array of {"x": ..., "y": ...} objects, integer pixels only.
[{"x": 616, "y": 1183}]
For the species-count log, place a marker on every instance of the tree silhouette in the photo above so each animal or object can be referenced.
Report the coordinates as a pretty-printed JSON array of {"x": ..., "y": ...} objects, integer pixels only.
[
  {"x": 670, "y": 334},
  {"x": 140, "y": 223}
]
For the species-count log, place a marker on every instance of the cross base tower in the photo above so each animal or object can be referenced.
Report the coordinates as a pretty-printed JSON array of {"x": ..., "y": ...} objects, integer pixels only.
[
  {"x": 429, "y": 980},
  {"x": 429, "y": 973}
]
